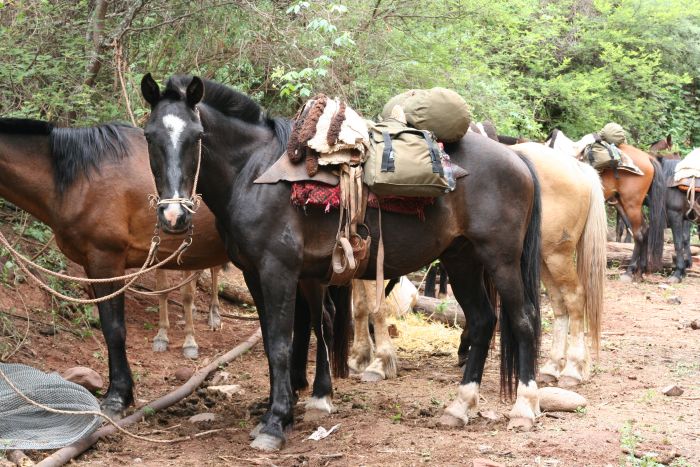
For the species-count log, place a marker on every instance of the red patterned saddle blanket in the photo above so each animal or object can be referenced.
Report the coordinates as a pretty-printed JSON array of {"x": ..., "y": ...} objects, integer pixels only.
[{"x": 306, "y": 193}]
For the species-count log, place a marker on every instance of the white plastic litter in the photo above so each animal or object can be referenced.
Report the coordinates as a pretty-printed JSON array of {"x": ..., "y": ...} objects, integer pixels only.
[{"x": 321, "y": 433}]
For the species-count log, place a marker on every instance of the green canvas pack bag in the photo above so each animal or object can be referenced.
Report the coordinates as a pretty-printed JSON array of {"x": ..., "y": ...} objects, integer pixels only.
[
  {"x": 602, "y": 155},
  {"x": 404, "y": 161},
  {"x": 439, "y": 110}
]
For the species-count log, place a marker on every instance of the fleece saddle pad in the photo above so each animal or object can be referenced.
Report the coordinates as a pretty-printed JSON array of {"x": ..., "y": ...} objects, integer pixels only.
[{"x": 689, "y": 167}]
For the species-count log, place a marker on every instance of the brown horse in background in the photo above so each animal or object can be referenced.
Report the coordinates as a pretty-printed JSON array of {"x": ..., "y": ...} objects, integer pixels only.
[
  {"x": 90, "y": 186},
  {"x": 628, "y": 192}
]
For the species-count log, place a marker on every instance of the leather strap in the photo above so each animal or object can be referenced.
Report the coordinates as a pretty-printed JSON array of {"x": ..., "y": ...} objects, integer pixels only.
[{"x": 387, "y": 159}]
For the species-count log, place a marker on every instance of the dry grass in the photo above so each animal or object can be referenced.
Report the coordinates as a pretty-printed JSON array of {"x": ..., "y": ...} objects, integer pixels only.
[{"x": 420, "y": 336}]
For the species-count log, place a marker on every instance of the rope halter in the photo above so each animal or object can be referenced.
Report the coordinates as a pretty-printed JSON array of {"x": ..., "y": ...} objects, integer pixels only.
[{"x": 192, "y": 203}]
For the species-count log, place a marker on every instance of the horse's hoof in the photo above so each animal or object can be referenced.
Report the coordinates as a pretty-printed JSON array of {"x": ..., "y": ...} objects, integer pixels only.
[
  {"x": 520, "y": 424},
  {"x": 568, "y": 382},
  {"x": 626, "y": 278},
  {"x": 255, "y": 432},
  {"x": 215, "y": 323},
  {"x": 265, "y": 442},
  {"x": 546, "y": 378},
  {"x": 674, "y": 280},
  {"x": 450, "y": 421},
  {"x": 160, "y": 345},
  {"x": 371, "y": 376},
  {"x": 190, "y": 352},
  {"x": 113, "y": 408}
]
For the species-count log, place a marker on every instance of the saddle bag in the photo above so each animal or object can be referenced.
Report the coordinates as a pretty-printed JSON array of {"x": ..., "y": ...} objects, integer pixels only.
[
  {"x": 440, "y": 110},
  {"x": 405, "y": 161}
]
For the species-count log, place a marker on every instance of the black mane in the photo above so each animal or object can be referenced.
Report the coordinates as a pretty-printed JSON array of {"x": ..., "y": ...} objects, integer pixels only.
[
  {"x": 25, "y": 126},
  {"x": 78, "y": 151},
  {"x": 230, "y": 103}
]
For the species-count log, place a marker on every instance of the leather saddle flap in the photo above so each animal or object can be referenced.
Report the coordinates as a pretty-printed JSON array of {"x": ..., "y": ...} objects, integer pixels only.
[{"x": 284, "y": 170}]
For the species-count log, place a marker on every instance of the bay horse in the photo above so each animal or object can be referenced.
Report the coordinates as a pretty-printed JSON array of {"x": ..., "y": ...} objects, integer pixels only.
[
  {"x": 628, "y": 191},
  {"x": 89, "y": 185},
  {"x": 488, "y": 224},
  {"x": 573, "y": 262}
]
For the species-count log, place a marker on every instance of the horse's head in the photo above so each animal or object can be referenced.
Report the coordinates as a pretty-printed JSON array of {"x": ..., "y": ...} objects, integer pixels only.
[{"x": 174, "y": 131}]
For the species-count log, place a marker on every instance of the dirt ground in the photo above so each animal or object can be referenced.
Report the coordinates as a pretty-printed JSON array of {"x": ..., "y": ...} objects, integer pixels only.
[{"x": 647, "y": 345}]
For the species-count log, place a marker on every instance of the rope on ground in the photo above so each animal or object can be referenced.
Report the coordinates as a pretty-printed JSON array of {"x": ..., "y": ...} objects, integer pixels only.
[{"x": 62, "y": 456}]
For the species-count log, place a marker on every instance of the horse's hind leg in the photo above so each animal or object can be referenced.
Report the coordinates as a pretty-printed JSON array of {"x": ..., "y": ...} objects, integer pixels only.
[
  {"x": 639, "y": 231},
  {"x": 214, "y": 316},
  {"x": 677, "y": 222},
  {"x": 466, "y": 275},
  {"x": 550, "y": 371},
  {"x": 300, "y": 343},
  {"x": 190, "y": 349},
  {"x": 562, "y": 269},
  {"x": 362, "y": 352},
  {"x": 160, "y": 342},
  {"x": 383, "y": 364}
]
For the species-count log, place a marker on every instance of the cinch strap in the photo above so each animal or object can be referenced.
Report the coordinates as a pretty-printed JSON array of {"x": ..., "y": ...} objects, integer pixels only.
[{"x": 387, "y": 159}]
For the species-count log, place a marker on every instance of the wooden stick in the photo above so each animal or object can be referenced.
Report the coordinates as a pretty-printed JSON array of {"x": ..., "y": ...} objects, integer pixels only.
[
  {"x": 64, "y": 455},
  {"x": 19, "y": 458}
]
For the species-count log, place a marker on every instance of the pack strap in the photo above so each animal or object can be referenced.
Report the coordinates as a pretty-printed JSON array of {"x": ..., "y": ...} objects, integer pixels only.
[
  {"x": 434, "y": 153},
  {"x": 387, "y": 154}
]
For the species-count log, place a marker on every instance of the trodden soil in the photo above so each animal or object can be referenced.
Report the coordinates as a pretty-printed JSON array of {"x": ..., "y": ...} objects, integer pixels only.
[{"x": 647, "y": 344}]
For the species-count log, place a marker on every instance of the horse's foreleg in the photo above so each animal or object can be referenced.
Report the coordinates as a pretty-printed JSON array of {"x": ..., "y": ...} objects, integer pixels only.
[
  {"x": 320, "y": 404},
  {"x": 277, "y": 317},
  {"x": 550, "y": 371},
  {"x": 190, "y": 349},
  {"x": 120, "y": 393},
  {"x": 160, "y": 342},
  {"x": 688, "y": 257},
  {"x": 214, "y": 316},
  {"x": 430, "y": 279},
  {"x": 442, "y": 290},
  {"x": 466, "y": 276},
  {"x": 384, "y": 363},
  {"x": 362, "y": 352}
]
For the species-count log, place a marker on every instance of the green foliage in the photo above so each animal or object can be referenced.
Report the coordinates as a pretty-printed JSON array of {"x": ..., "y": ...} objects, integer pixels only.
[{"x": 527, "y": 65}]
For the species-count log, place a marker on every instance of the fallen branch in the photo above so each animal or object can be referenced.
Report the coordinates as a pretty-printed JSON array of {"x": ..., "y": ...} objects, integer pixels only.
[
  {"x": 444, "y": 311},
  {"x": 19, "y": 458},
  {"x": 231, "y": 292},
  {"x": 64, "y": 455}
]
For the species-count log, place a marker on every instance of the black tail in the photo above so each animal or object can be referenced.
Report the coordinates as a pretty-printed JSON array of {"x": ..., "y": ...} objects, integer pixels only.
[
  {"x": 339, "y": 350},
  {"x": 530, "y": 272},
  {"x": 657, "y": 218}
]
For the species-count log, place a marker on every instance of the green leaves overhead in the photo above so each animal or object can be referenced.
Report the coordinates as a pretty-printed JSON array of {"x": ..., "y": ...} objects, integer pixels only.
[{"x": 527, "y": 65}]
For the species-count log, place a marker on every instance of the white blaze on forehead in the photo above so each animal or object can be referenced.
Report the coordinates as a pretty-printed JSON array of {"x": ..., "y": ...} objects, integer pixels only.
[{"x": 174, "y": 125}]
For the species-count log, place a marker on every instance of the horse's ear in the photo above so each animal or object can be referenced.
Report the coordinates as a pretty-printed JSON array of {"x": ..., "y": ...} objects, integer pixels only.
[
  {"x": 195, "y": 91},
  {"x": 669, "y": 141},
  {"x": 150, "y": 90}
]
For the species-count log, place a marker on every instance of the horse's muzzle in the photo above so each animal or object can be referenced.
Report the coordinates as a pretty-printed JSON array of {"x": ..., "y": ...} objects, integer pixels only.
[{"x": 174, "y": 218}]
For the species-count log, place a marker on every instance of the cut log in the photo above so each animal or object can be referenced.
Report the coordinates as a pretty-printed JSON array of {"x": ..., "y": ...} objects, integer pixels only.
[
  {"x": 443, "y": 311},
  {"x": 230, "y": 291},
  {"x": 620, "y": 254}
]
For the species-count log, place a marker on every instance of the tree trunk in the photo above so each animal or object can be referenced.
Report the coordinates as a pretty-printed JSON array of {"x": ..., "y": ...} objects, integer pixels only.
[{"x": 96, "y": 33}]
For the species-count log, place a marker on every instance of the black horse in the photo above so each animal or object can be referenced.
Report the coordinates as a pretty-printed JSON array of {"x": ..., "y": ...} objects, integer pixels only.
[
  {"x": 677, "y": 209},
  {"x": 489, "y": 224}
]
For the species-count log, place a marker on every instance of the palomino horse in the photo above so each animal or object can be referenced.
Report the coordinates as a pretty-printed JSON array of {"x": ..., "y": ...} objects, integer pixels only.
[
  {"x": 628, "y": 192},
  {"x": 490, "y": 223},
  {"x": 90, "y": 185},
  {"x": 573, "y": 226}
]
